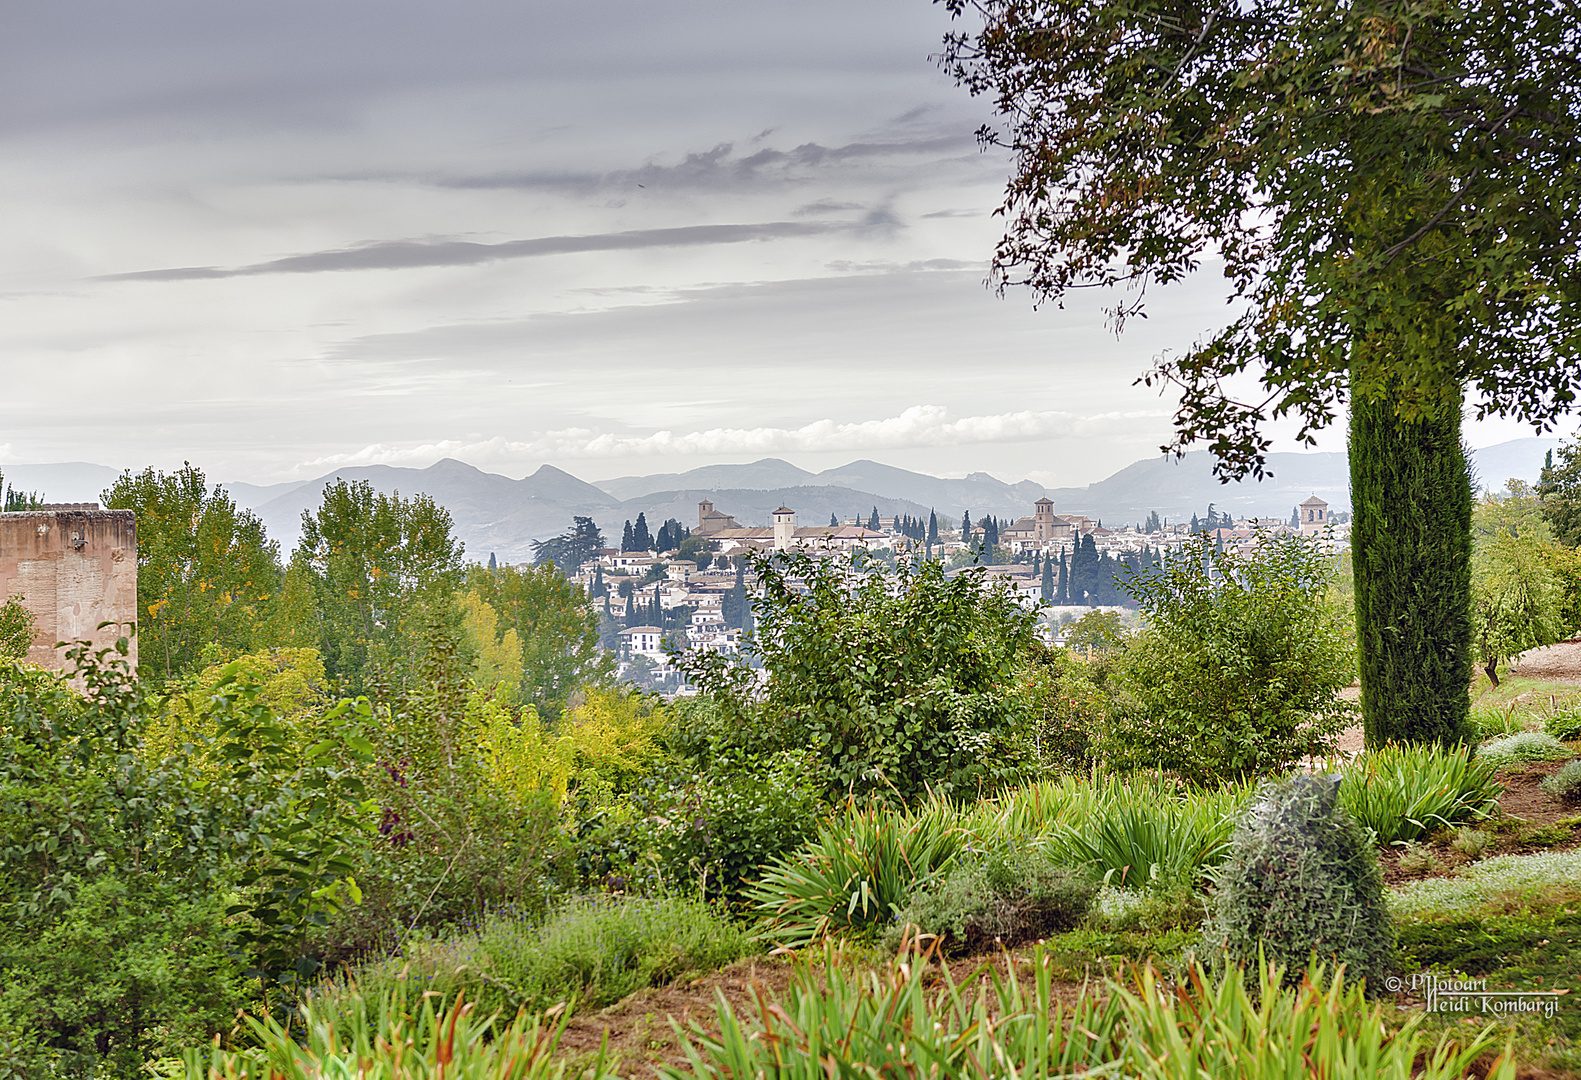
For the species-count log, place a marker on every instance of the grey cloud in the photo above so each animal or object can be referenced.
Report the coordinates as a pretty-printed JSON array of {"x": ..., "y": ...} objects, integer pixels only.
[
  {"x": 409, "y": 254},
  {"x": 824, "y": 206},
  {"x": 720, "y": 168}
]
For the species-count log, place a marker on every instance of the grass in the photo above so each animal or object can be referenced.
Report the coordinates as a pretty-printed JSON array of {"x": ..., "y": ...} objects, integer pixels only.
[
  {"x": 590, "y": 954},
  {"x": 894, "y": 1022},
  {"x": 1405, "y": 793},
  {"x": 401, "y": 1036}
]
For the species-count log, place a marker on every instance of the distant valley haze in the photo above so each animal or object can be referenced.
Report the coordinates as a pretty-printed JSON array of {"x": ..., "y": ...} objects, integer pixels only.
[
  {"x": 730, "y": 246},
  {"x": 498, "y": 515}
]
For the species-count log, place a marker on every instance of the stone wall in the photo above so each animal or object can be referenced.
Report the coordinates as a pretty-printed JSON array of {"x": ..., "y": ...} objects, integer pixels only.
[{"x": 75, "y": 566}]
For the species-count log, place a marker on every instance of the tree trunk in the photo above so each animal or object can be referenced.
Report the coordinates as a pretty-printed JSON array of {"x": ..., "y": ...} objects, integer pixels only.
[
  {"x": 1411, "y": 548},
  {"x": 1492, "y": 669}
]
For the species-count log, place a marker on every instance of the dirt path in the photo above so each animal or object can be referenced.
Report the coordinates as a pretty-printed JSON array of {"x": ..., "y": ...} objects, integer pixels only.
[{"x": 1560, "y": 663}]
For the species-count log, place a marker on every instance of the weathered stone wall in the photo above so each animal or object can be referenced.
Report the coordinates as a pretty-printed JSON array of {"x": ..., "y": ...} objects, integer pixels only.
[{"x": 74, "y": 569}]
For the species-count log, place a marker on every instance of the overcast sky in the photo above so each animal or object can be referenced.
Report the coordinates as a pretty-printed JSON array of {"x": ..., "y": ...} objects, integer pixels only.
[{"x": 618, "y": 236}]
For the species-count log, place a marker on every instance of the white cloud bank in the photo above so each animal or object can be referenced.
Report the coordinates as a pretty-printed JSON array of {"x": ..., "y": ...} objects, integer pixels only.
[{"x": 918, "y": 426}]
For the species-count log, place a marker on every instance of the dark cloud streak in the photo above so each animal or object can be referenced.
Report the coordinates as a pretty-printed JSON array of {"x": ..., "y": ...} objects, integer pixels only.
[{"x": 411, "y": 254}]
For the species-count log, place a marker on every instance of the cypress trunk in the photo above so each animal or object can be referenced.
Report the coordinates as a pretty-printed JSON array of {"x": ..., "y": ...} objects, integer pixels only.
[{"x": 1411, "y": 548}]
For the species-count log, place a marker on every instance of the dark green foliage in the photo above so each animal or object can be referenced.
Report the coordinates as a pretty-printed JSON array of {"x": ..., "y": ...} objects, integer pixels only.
[
  {"x": 1301, "y": 878},
  {"x": 1238, "y": 669},
  {"x": 714, "y": 831},
  {"x": 1411, "y": 544},
  {"x": 641, "y": 540},
  {"x": 895, "y": 683},
  {"x": 12, "y": 499},
  {"x": 136, "y": 893},
  {"x": 1007, "y": 898},
  {"x": 568, "y": 551},
  {"x": 1559, "y": 487}
]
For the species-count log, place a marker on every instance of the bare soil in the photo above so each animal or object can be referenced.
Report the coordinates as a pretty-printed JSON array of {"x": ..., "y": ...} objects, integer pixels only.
[{"x": 1558, "y": 663}]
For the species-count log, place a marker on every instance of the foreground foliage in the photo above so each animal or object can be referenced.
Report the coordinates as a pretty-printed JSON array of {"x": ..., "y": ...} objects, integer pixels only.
[{"x": 894, "y": 1023}]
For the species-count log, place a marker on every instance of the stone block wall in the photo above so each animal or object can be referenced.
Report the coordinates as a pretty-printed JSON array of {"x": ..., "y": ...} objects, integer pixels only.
[{"x": 75, "y": 566}]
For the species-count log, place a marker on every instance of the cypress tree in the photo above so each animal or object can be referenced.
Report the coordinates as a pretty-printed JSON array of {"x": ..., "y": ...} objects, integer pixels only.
[
  {"x": 1064, "y": 577},
  {"x": 494, "y": 565},
  {"x": 626, "y": 541},
  {"x": 834, "y": 522},
  {"x": 640, "y": 538},
  {"x": 1048, "y": 581},
  {"x": 966, "y": 526},
  {"x": 933, "y": 528},
  {"x": 1411, "y": 548}
]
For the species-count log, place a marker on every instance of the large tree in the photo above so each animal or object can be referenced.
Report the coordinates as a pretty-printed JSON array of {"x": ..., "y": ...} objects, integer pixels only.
[
  {"x": 379, "y": 565},
  {"x": 206, "y": 573},
  {"x": 1390, "y": 187}
]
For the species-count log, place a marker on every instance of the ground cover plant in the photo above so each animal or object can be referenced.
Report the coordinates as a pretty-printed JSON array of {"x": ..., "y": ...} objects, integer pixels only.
[
  {"x": 1523, "y": 746},
  {"x": 588, "y": 954}
]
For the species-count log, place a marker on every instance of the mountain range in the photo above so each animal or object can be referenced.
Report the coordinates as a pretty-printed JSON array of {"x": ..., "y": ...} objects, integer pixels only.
[{"x": 499, "y": 515}]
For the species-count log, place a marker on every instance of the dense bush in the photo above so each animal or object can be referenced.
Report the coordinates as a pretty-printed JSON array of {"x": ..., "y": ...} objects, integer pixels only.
[
  {"x": 898, "y": 683},
  {"x": 1301, "y": 879},
  {"x": 713, "y": 832},
  {"x": 860, "y": 869},
  {"x": 1238, "y": 669},
  {"x": 1065, "y": 703},
  {"x": 1005, "y": 898},
  {"x": 1565, "y": 723},
  {"x": 132, "y": 884}
]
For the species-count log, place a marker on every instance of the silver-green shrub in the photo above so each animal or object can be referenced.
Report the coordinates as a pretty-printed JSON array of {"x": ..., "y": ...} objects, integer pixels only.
[{"x": 1301, "y": 878}]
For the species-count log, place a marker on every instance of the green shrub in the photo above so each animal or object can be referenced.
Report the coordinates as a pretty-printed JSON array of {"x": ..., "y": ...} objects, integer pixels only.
[
  {"x": 1301, "y": 879},
  {"x": 860, "y": 870},
  {"x": 1010, "y": 896},
  {"x": 592, "y": 952},
  {"x": 899, "y": 683},
  {"x": 1526, "y": 746},
  {"x": 1471, "y": 842},
  {"x": 1408, "y": 792},
  {"x": 1238, "y": 670},
  {"x": 1565, "y": 723},
  {"x": 1565, "y": 785},
  {"x": 715, "y": 832}
]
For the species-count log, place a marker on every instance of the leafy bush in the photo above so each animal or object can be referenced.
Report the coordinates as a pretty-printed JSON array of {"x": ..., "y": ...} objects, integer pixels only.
[
  {"x": 862, "y": 868},
  {"x": 1065, "y": 704},
  {"x": 1565, "y": 785},
  {"x": 402, "y": 1037},
  {"x": 1407, "y": 792},
  {"x": 16, "y": 629},
  {"x": 1301, "y": 878},
  {"x": 593, "y": 952},
  {"x": 716, "y": 831},
  {"x": 1527, "y": 746},
  {"x": 1238, "y": 669},
  {"x": 1010, "y": 896},
  {"x": 900, "y": 684},
  {"x": 1565, "y": 723},
  {"x": 132, "y": 884},
  {"x": 892, "y": 1023}
]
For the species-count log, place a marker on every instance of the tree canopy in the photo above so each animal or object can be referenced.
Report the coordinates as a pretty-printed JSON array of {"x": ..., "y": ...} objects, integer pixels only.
[{"x": 1391, "y": 186}]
